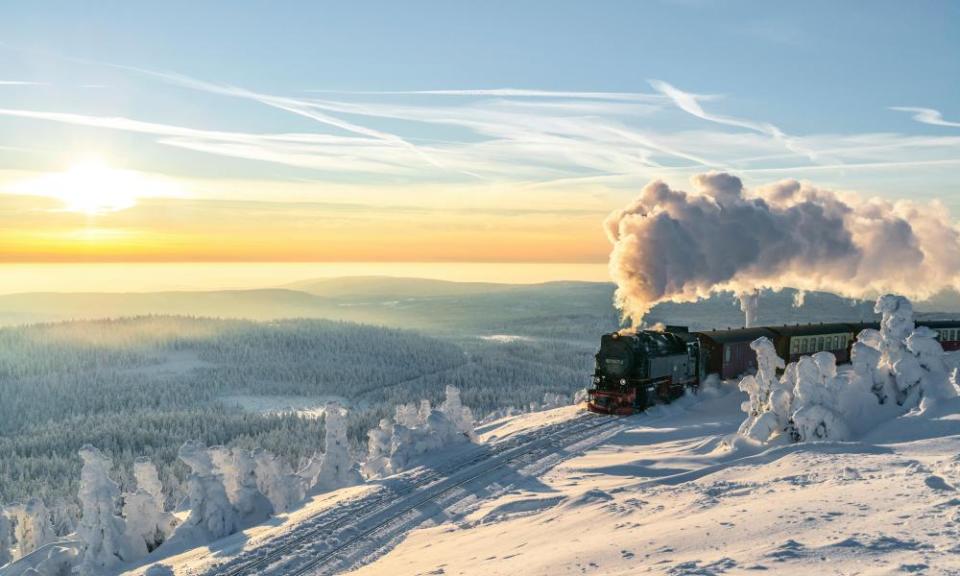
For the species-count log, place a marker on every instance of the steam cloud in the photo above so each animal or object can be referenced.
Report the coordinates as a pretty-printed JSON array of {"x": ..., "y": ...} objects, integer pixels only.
[{"x": 670, "y": 245}]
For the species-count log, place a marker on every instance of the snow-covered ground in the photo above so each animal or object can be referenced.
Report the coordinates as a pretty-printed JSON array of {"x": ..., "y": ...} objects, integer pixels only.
[
  {"x": 665, "y": 492},
  {"x": 308, "y": 407},
  {"x": 664, "y": 496}
]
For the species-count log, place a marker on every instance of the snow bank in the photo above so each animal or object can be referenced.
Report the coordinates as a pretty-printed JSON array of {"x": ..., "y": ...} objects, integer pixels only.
[
  {"x": 393, "y": 446},
  {"x": 894, "y": 370}
]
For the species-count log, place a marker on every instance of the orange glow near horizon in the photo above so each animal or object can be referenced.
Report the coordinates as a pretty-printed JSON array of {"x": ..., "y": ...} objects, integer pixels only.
[{"x": 121, "y": 227}]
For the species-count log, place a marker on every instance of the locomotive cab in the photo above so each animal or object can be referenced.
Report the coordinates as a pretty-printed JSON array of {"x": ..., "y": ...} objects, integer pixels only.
[{"x": 634, "y": 370}]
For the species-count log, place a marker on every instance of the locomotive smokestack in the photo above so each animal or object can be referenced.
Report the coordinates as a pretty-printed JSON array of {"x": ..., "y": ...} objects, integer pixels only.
[
  {"x": 674, "y": 246},
  {"x": 749, "y": 304}
]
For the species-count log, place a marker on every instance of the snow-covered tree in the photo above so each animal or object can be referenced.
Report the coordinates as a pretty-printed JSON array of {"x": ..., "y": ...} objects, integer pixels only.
[
  {"x": 104, "y": 533},
  {"x": 6, "y": 555},
  {"x": 277, "y": 481},
  {"x": 392, "y": 446},
  {"x": 335, "y": 468},
  {"x": 934, "y": 380},
  {"x": 896, "y": 324},
  {"x": 460, "y": 415},
  {"x": 210, "y": 508},
  {"x": 378, "y": 450},
  {"x": 905, "y": 362},
  {"x": 33, "y": 526},
  {"x": 143, "y": 509},
  {"x": 237, "y": 468},
  {"x": 865, "y": 356},
  {"x": 407, "y": 415},
  {"x": 148, "y": 480},
  {"x": 768, "y": 401},
  {"x": 815, "y": 416},
  {"x": 64, "y": 520}
]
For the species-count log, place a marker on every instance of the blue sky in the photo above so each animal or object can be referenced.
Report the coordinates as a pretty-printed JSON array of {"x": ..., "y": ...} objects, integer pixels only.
[{"x": 329, "y": 100}]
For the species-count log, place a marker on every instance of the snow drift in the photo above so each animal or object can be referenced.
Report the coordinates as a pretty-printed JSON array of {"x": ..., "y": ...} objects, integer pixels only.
[{"x": 670, "y": 245}]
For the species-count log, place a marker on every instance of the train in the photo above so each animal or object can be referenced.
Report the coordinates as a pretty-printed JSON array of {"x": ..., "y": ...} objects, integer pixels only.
[{"x": 634, "y": 370}]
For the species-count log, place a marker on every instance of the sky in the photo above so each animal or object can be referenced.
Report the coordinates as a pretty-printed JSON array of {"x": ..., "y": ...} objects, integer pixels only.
[{"x": 446, "y": 131}]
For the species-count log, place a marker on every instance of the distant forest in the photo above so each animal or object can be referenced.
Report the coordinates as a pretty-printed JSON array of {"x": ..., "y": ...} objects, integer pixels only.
[{"x": 142, "y": 386}]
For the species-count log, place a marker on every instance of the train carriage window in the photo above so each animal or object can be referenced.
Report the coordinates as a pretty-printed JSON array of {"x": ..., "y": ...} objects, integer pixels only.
[
  {"x": 803, "y": 345},
  {"x": 819, "y": 343},
  {"x": 794, "y": 345},
  {"x": 726, "y": 354}
]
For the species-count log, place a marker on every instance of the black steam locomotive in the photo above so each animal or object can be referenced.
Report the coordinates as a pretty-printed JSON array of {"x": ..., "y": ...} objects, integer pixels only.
[{"x": 636, "y": 370}]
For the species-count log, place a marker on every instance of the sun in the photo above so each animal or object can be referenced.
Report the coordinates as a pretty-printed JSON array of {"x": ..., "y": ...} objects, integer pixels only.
[{"x": 93, "y": 187}]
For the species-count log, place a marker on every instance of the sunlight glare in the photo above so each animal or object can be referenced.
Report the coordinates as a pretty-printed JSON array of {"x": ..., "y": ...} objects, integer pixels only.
[{"x": 93, "y": 187}]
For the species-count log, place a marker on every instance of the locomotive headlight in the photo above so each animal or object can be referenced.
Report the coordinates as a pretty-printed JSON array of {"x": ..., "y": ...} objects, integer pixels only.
[
  {"x": 596, "y": 379},
  {"x": 623, "y": 381}
]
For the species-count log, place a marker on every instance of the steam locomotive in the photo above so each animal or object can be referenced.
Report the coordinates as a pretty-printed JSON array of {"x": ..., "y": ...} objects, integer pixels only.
[{"x": 636, "y": 370}]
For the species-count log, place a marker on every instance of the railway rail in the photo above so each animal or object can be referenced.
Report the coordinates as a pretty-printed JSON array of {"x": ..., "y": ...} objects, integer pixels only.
[{"x": 391, "y": 505}]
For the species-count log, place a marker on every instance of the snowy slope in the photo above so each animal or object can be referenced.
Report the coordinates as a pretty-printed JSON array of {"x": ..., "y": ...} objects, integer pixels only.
[
  {"x": 664, "y": 496},
  {"x": 559, "y": 492}
]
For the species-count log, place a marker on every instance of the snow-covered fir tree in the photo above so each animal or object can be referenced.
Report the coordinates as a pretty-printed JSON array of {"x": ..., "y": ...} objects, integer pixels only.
[
  {"x": 106, "y": 539},
  {"x": 210, "y": 508}
]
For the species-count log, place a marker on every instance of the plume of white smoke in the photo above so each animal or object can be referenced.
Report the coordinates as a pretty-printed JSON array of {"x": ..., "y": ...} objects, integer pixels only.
[
  {"x": 670, "y": 245},
  {"x": 750, "y": 305}
]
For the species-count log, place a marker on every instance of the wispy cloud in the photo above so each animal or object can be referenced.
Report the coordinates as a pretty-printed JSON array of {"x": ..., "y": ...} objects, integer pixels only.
[
  {"x": 532, "y": 138},
  {"x": 509, "y": 93},
  {"x": 20, "y": 83},
  {"x": 690, "y": 103},
  {"x": 927, "y": 116}
]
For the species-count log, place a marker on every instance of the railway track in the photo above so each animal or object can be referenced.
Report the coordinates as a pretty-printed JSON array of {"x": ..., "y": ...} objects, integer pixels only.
[{"x": 307, "y": 551}]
